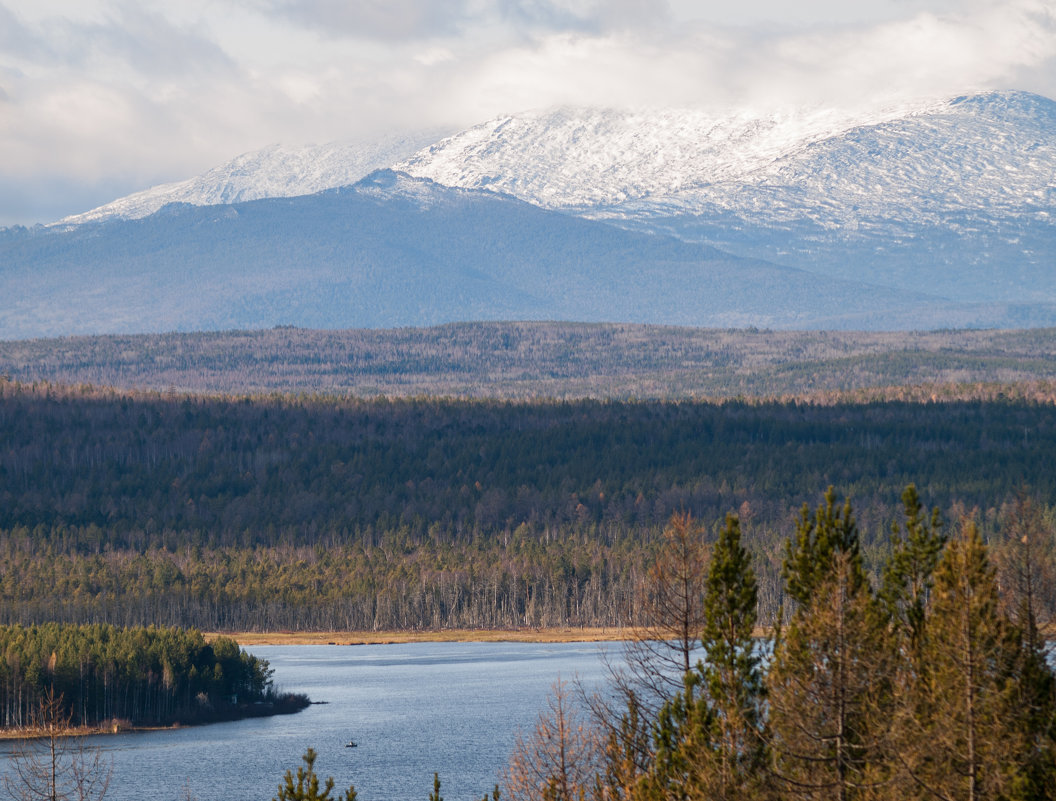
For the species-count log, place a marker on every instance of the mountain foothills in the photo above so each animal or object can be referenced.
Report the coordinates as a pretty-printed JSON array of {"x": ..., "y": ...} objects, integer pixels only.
[
  {"x": 923, "y": 217},
  {"x": 391, "y": 251},
  {"x": 532, "y": 360}
]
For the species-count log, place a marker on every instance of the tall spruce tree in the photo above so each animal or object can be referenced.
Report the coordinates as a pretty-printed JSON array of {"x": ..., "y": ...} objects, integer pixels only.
[
  {"x": 907, "y": 576},
  {"x": 831, "y": 667},
  {"x": 811, "y": 555},
  {"x": 732, "y": 677},
  {"x": 979, "y": 725},
  {"x": 683, "y": 745}
]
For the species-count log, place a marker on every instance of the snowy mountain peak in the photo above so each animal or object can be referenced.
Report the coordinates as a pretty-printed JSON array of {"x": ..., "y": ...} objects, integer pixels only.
[
  {"x": 421, "y": 193},
  {"x": 986, "y": 151},
  {"x": 574, "y": 158},
  {"x": 275, "y": 171}
]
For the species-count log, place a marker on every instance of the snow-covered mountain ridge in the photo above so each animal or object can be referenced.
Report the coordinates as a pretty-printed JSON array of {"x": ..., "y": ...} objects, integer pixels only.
[
  {"x": 576, "y": 158},
  {"x": 952, "y": 199},
  {"x": 989, "y": 152},
  {"x": 275, "y": 171}
]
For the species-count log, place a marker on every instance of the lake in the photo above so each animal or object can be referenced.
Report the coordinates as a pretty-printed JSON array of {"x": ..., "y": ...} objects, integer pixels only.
[{"x": 452, "y": 708}]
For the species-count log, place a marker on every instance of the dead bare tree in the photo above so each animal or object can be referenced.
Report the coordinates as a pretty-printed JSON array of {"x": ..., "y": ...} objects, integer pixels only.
[
  {"x": 57, "y": 766},
  {"x": 660, "y": 651}
]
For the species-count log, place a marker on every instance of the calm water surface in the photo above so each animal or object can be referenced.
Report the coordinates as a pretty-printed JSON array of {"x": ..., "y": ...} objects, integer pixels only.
[{"x": 414, "y": 709}]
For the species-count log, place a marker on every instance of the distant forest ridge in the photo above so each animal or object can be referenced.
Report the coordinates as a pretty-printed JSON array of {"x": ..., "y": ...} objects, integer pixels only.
[{"x": 557, "y": 360}]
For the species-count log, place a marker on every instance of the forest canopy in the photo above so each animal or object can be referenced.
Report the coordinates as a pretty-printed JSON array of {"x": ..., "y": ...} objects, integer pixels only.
[{"x": 317, "y": 512}]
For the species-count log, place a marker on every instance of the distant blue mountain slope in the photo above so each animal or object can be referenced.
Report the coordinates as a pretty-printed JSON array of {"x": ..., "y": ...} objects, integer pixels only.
[
  {"x": 395, "y": 251},
  {"x": 954, "y": 198}
]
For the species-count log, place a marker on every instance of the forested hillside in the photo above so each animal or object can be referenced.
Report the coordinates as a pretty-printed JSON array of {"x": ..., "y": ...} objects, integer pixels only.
[
  {"x": 529, "y": 360},
  {"x": 243, "y": 512}
]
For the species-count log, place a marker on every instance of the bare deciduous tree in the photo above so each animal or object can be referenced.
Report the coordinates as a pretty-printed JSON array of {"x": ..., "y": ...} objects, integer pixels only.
[
  {"x": 57, "y": 766},
  {"x": 660, "y": 651},
  {"x": 559, "y": 759}
]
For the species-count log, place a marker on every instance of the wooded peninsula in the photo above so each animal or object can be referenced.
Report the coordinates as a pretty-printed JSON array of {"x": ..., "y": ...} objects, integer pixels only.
[{"x": 101, "y": 676}]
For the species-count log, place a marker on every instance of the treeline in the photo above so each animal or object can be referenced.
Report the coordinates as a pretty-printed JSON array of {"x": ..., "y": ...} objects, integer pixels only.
[
  {"x": 928, "y": 683},
  {"x": 143, "y": 676},
  {"x": 394, "y": 582}
]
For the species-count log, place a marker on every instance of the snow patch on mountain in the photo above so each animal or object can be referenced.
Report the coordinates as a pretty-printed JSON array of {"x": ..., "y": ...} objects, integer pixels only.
[
  {"x": 386, "y": 186},
  {"x": 985, "y": 154}
]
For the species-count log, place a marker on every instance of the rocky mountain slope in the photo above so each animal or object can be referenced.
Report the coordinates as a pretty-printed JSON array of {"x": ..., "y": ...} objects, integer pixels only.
[{"x": 991, "y": 153}]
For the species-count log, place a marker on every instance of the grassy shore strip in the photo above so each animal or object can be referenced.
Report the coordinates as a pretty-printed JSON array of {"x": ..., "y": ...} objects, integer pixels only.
[
  {"x": 248, "y": 638},
  {"x": 542, "y": 635},
  {"x": 33, "y": 733}
]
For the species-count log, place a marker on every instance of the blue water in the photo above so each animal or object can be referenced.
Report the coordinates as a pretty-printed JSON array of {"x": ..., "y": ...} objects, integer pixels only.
[{"x": 453, "y": 708}]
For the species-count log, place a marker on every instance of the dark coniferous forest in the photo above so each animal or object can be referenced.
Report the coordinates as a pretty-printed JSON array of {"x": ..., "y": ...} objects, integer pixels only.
[
  {"x": 240, "y": 512},
  {"x": 100, "y": 675}
]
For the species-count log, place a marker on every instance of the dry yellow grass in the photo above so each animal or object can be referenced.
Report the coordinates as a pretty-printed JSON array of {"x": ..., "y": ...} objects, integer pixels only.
[
  {"x": 29, "y": 733},
  {"x": 245, "y": 638}
]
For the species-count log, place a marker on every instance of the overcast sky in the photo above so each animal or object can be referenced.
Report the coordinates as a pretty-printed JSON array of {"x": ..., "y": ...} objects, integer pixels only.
[{"x": 100, "y": 98}]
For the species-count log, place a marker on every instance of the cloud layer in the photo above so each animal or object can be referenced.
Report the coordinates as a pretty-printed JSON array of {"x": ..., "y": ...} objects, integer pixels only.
[{"x": 99, "y": 98}]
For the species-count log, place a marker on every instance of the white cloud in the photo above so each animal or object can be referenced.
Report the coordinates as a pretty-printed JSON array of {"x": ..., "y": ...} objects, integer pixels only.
[
  {"x": 924, "y": 54},
  {"x": 433, "y": 56},
  {"x": 388, "y": 20}
]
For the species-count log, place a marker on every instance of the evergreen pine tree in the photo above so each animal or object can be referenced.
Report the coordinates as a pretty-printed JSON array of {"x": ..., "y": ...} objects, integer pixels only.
[
  {"x": 682, "y": 743},
  {"x": 907, "y": 576},
  {"x": 732, "y": 677},
  {"x": 810, "y": 556},
  {"x": 831, "y": 666},
  {"x": 306, "y": 785},
  {"x": 980, "y": 722}
]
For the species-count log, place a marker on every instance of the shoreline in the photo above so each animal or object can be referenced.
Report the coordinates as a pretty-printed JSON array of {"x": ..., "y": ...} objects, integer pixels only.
[
  {"x": 551, "y": 634},
  {"x": 285, "y": 704},
  {"x": 85, "y": 731},
  {"x": 542, "y": 635}
]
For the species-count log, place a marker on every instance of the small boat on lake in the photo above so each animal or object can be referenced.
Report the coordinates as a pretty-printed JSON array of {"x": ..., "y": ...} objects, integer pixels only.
[{"x": 351, "y": 744}]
